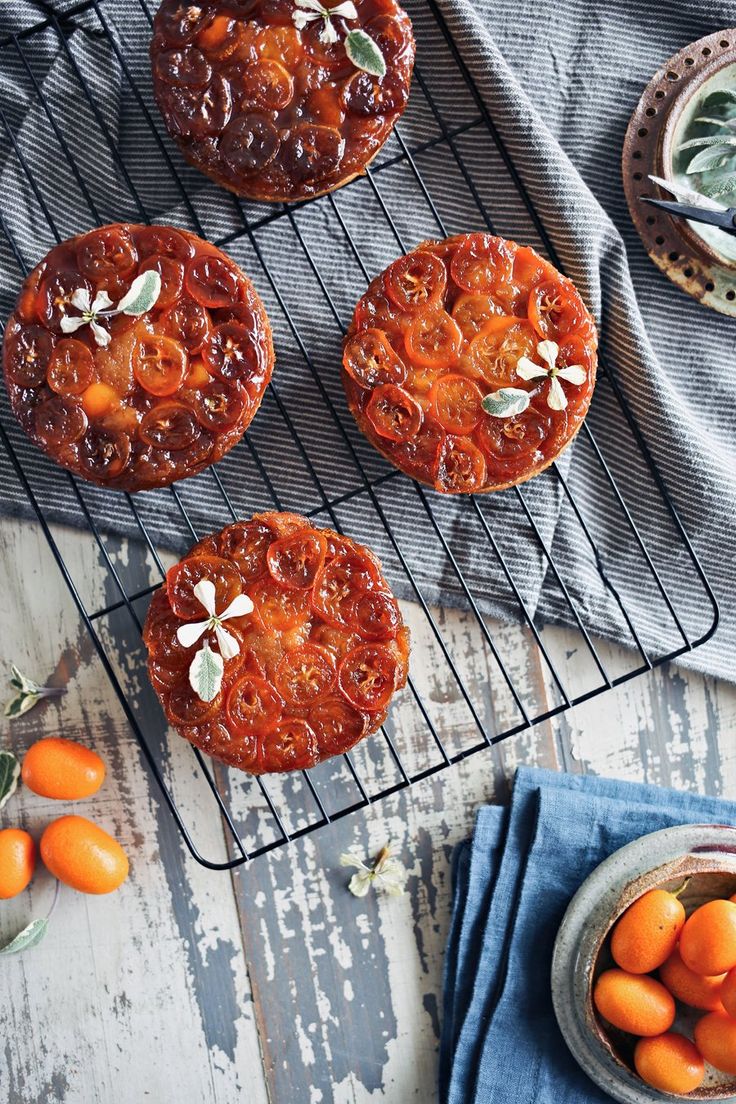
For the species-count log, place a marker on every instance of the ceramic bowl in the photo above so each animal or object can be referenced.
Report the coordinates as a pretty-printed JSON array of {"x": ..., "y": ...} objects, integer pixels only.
[{"x": 703, "y": 853}]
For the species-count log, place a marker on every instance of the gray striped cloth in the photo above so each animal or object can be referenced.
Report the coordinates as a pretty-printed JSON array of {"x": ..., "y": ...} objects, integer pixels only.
[{"x": 560, "y": 85}]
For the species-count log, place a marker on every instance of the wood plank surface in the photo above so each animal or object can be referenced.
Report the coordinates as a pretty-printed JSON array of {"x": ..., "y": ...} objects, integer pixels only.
[{"x": 274, "y": 983}]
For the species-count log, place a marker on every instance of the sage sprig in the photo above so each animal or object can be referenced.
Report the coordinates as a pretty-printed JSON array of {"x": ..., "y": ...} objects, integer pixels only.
[
  {"x": 32, "y": 933},
  {"x": 714, "y": 154},
  {"x": 29, "y": 693},
  {"x": 9, "y": 775}
]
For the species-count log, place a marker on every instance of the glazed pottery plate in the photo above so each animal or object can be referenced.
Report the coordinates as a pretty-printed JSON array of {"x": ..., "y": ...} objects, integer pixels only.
[{"x": 707, "y": 854}]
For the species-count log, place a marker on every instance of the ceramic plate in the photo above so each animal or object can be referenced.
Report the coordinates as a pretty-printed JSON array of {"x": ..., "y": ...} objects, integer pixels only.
[{"x": 589, "y": 917}]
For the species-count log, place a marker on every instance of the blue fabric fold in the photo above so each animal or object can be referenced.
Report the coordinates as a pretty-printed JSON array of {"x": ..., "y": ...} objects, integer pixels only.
[{"x": 512, "y": 883}]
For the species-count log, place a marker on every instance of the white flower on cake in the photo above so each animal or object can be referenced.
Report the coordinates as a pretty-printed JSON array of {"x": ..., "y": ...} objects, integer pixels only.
[
  {"x": 207, "y": 667},
  {"x": 139, "y": 298},
  {"x": 548, "y": 351},
  {"x": 190, "y": 633},
  {"x": 359, "y": 46},
  {"x": 308, "y": 11}
]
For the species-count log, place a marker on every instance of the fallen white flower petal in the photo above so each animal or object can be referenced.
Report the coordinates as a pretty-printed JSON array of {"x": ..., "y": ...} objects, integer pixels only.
[
  {"x": 348, "y": 859},
  {"x": 360, "y": 883}
]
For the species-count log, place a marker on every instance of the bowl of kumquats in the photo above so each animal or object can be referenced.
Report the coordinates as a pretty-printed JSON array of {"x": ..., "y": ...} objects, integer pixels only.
[{"x": 644, "y": 968}]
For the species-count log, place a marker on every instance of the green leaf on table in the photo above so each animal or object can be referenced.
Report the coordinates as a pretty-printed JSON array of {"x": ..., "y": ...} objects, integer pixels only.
[
  {"x": 9, "y": 775},
  {"x": 20, "y": 704},
  {"x": 142, "y": 294},
  {"x": 31, "y": 935},
  {"x": 364, "y": 53},
  {"x": 20, "y": 682},
  {"x": 205, "y": 673}
]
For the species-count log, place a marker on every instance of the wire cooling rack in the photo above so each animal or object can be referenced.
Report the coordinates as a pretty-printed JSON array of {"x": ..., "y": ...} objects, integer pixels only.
[{"x": 441, "y": 717}]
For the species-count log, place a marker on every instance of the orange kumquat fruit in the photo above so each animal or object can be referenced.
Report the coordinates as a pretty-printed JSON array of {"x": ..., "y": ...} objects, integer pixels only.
[
  {"x": 697, "y": 990},
  {"x": 647, "y": 933},
  {"x": 708, "y": 939},
  {"x": 715, "y": 1038},
  {"x": 17, "y": 861},
  {"x": 62, "y": 769},
  {"x": 669, "y": 1063},
  {"x": 83, "y": 856},
  {"x": 634, "y": 1002}
]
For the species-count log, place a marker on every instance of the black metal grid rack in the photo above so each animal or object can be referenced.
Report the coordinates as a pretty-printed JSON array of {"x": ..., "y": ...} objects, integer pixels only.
[{"x": 442, "y": 135}]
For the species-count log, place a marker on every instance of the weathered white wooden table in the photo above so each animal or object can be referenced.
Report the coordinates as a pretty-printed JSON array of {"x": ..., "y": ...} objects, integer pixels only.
[{"x": 273, "y": 983}]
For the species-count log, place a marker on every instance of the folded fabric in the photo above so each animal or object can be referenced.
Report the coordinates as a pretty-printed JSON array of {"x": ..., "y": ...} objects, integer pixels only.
[
  {"x": 513, "y": 882},
  {"x": 665, "y": 349}
]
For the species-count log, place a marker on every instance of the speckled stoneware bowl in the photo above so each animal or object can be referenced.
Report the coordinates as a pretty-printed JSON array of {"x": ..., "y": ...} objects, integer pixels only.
[{"x": 704, "y": 853}]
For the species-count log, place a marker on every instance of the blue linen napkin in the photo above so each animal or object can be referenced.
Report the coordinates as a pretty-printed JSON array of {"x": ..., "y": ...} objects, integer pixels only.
[{"x": 512, "y": 883}]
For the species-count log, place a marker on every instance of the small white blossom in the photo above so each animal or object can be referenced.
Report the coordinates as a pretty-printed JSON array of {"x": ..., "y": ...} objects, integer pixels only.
[
  {"x": 190, "y": 633},
  {"x": 387, "y": 873},
  {"x": 308, "y": 11},
  {"x": 140, "y": 297},
  {"x": 548, "y": 351}
]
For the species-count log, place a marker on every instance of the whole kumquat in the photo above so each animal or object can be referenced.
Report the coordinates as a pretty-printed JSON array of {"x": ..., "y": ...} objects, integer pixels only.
[
  {"x": 17, "y": 861},
  {"x": 647, "y": 933},
  {"x": 697, "y": 990},
  {"x": 727, "y": 993},
  {"x": 83, "y": 856},
  {"x": 62, "y": 769},
  {"x": 715, "y": 1038},
  {"x": 670, "y": 1063},
  {"x": 708, "y": 939},
  {"x": 634, "y": 1002}
]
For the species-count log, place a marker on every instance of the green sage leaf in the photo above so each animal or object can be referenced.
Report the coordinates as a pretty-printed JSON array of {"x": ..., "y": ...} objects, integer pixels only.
[
  {"x": 709, "y": 120},
  {"x": 205, "y": 673},
  {"x": 22, "y": 682},
  {"x": 711, "y": 140},
  {"x": 364, "y": 53},
  {"x": 21, "y": 704},
  {"x": 721, "y": 96},
  {"x": 9, "y": 775},
  {"x": 687, "y": 195},
  {"x": 142, "y": 293},
  {"x": 31, "y": 935},
  {"x": 708, "y": 159},
  {"x": 724, "y": 186},
  {"x": 506, "y": 403}
]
